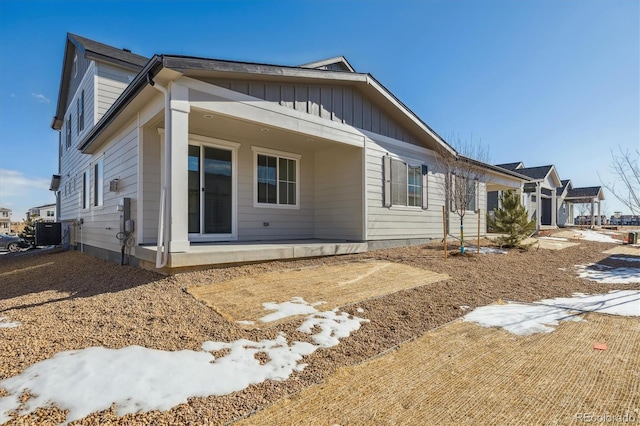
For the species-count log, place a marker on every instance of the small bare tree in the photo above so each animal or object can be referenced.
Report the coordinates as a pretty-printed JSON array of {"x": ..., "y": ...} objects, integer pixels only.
[
  {"x": 626, "y": 188},
  {"x": 463, "y": 175}
]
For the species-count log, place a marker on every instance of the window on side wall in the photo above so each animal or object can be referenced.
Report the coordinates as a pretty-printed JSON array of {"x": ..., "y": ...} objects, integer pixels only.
[
  {"x": 277, "y": 176},
  {"x": 68, "y": 132},
  {"x": 405, "y": 184},
  {"x": 78, "y": 115},
  {"x": 81, "y": 113},
  {"x": 86, "y": 190},
  {"x": 98, "y": 183}
]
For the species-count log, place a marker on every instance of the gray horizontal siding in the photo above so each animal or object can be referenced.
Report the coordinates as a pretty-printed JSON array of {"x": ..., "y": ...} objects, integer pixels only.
[
  {"x": 401, "y": 222},
  {"x": 151, "y": 185},
  {"x": 338, "y": 193},
  {"x": 111, "y": 82}
]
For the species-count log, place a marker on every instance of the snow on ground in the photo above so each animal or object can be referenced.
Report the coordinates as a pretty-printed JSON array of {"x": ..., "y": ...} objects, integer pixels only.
[
  {"x": 485, "y": 250},
  {"x": 141, "y": 379},
  {"x": 297, "y": 306},
  {"x": 590, "y": 235},
  {"x": 525, "y": 319},
  {"x": 333, "y": 326},
  {"x": 5, "y": 323},
  {"x": 626, "y": 259},
  {"x": 553, "y": 238},
  {"x": 607, "y": 274}
]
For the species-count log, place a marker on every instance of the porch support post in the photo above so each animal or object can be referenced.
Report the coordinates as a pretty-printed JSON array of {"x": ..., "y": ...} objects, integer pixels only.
[
  {"x": 178, "y": 194},
  {"x": 593, "y": 223},
  {"x": 599, "y": 215},
  {"x": 554, "y": 208},
  {"x": 538, "y": 205}
]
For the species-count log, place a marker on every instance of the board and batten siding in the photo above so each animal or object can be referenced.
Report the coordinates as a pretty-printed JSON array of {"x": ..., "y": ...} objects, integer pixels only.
[
  {"x": 338, "y": 193},
  {"x": 110, "y": 83},
  {"x": 342, "y": 104},
  {"x": 398, "y": 222}
]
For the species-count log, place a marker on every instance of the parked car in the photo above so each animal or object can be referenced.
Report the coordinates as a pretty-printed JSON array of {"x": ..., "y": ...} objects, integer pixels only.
[{"x": 12, "y": 244}]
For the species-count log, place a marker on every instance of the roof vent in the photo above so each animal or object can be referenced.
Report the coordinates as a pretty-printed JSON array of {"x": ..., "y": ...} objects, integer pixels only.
[{"x": 126, "y": 50}]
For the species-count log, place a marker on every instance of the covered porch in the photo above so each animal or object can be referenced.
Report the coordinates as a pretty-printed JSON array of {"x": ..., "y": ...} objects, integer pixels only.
[
  {"x": 240, "y": 173},
  {"x": 590, "y": 196}
]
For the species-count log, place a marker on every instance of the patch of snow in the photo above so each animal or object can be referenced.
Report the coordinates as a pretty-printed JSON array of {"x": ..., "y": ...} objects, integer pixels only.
[
  {"x": 485, "y": 250},
  {"x": 140, "y": 379},
  {"x": 359, "y": 310},
  {"x": 562, "y": 269},
  {"x": 333, "y": 326},
  {"x": 5, "y": 323},
  {"x": 297, "y": 306},
  {"x": 608, "y": 275},
  {"x": 553, "y": 238},
  {"x": 616, "y": 302},
  {"x": 465, "y": 307},
  {"x": 590, "y": 235},
  {"x": 626, "y": 259},
  {"x": 526, "y": 319},
  {"x": 245, "y": 322}
]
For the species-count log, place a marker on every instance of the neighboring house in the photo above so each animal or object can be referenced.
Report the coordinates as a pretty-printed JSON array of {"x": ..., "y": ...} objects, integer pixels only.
[
  {"x": 5, "y": 220},
  {"x": 47, "y": 212},
  {"x": 548, "y": 199},
  {"x": 211, "y": 151},
  {"x": 625, "y": 220}
]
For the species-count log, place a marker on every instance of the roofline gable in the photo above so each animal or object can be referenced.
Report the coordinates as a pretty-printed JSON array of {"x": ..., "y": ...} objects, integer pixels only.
[
  {"x": 329, "y": 61},
  {"x": 73, "y": 42},
  {"x": 197, "y": 66}
]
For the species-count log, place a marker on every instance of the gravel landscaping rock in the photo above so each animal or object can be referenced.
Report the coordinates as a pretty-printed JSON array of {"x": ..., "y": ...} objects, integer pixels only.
[{"x": 68, "y": 300}]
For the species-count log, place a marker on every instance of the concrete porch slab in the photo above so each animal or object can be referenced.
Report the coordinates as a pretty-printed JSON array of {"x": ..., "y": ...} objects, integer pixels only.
[{"x": 205, "y": 254}]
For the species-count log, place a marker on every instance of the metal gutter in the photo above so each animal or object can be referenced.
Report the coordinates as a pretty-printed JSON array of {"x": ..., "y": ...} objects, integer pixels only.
[{"x": 496, "y": 168}]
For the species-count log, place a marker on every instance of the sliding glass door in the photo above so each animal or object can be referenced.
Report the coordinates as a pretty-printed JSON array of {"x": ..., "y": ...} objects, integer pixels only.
[{"x": 211, "y": 192}]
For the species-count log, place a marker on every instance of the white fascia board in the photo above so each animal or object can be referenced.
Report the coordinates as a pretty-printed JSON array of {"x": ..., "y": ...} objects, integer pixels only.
[
  {"x": 375, "y": 137},
  {"x": 503, "y": 179},
  {"x": 555, "y": 176},
  {"x": 373, "y": 83},
  {"x": 270, "y": 114}
]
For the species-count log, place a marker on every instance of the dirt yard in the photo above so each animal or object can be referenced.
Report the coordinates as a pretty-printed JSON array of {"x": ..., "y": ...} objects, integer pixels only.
[{"x": 64, "y": 301}]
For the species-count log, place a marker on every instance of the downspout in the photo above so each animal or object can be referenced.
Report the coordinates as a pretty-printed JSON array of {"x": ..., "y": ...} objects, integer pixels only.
[{"x": 162, "y": 253}]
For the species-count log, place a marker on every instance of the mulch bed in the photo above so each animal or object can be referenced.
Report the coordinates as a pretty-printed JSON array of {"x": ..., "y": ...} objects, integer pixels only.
[{"x": 68, "y": 300}]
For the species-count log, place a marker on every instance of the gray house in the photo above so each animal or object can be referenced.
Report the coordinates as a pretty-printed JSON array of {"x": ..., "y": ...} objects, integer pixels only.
[
  {"x": 191, "y": 161},
  {"x": 548, "y": 199}
]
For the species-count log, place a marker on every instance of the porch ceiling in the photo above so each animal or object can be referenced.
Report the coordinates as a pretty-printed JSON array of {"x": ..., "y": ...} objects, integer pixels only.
[
  {"x": 500, "y": 187},
  {"x": 207, "y": 123}
]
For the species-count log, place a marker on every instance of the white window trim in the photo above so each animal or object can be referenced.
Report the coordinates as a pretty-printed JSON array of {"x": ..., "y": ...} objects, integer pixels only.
[
  {"x": 83, "y": 190},
  {"x": 413, "y": 163},
  {"x": 279, "y": 154},
  {"x": 93, "y": 184},
  {"x": 75, "y": 66},
  {"x": 206, "y": 141}
]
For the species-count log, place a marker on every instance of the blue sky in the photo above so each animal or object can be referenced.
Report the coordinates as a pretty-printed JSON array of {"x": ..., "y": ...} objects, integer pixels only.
[{"x": 539, "y": 81}]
